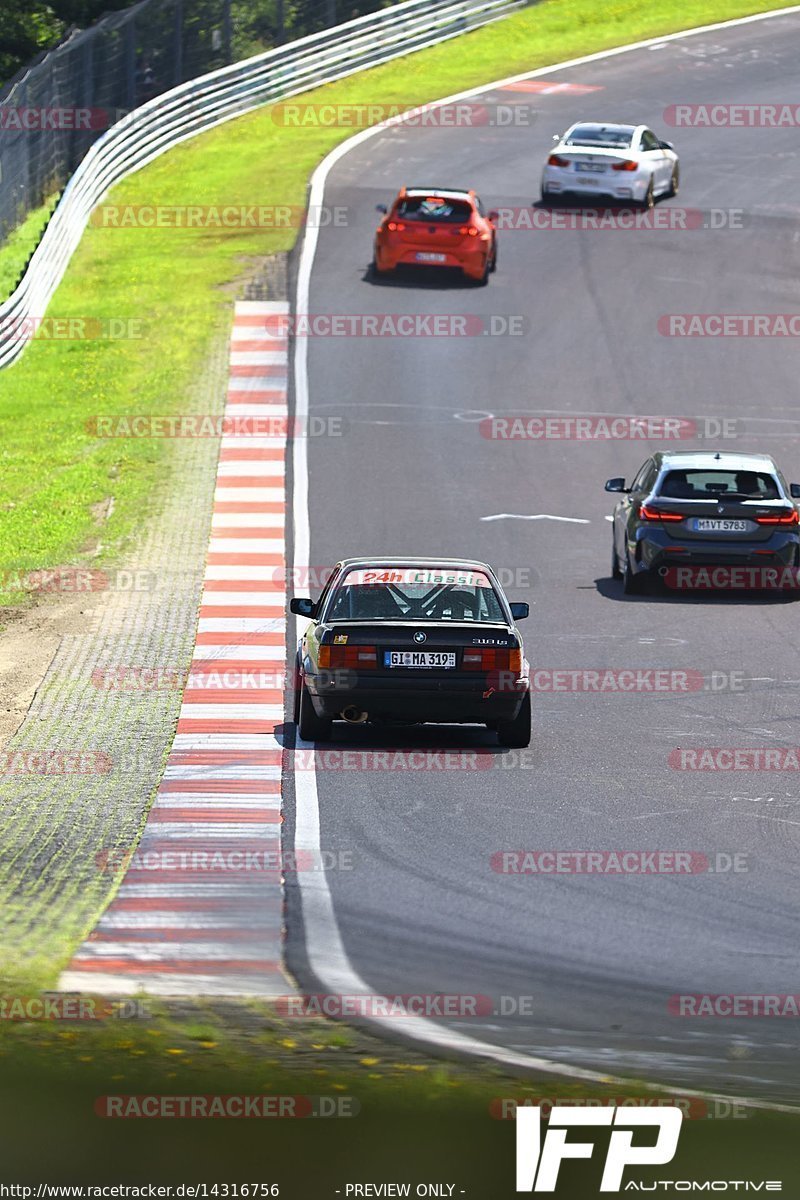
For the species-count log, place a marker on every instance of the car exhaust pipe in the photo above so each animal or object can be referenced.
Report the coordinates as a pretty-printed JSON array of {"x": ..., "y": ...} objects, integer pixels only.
[{"x": 353, "y": 715}]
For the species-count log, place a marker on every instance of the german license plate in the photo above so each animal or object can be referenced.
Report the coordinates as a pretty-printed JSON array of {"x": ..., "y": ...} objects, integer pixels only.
[
  {"x": 425, "y": 256},
  {"x": 596, "y": 168},
  {"x": 424, "y": 659},
  {"x": 711, "y": 525}
]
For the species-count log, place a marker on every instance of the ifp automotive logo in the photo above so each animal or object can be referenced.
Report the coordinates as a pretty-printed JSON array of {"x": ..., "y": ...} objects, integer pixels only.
[
  {"x": 538, "y": 1163},
  {"x": 539, "y": 1159}
]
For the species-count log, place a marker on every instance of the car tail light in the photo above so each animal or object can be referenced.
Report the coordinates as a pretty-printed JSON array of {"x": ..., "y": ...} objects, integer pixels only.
[
  {"x": 628, "y": 165},
  {"x": 353, "y": 658},
  {"x": 555, "y": 160},
  {"x": 784, "y": 517},
  {"x": 655, "y": 514},
  {"x": 395, "y": 226},
  {"x": 468, "y": 231},
  {"x": 489, "y": 658}
]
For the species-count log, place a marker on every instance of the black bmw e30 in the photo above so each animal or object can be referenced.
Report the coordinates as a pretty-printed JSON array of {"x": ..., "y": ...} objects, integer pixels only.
[{"x": 409, "y": 640}]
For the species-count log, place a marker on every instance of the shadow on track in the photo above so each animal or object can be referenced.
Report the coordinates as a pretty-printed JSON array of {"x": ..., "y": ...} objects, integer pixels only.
[
  {"x": 431, "y": 279},
  {"x": 658, "y": 593}
]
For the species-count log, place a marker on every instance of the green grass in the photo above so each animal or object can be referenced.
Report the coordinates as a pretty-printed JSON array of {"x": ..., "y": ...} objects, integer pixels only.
[
  {"x": 20, "y": 245},
  {"x": 428, "y": 1119},
  {"x": 176, "y": 283}
]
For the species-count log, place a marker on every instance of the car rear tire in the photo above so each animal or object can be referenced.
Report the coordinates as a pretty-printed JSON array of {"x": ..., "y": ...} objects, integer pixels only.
[
  {"x": 517, "y": 733},
  {"x": 311, "y": 727},
  {"x": 298, "y": 683},
  {"x": 675, "y": 181},
  {"x": 493, "y": 267},
  {"x": 482, "y": 280},
  {"x": 632, "y": 584},
  {"x": 616, "y": 573},
  {"x": 649, "y": 198}
]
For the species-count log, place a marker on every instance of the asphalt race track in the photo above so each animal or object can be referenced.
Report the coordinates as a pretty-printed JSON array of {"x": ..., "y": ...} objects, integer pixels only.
[{"x": 422, "y": 910}]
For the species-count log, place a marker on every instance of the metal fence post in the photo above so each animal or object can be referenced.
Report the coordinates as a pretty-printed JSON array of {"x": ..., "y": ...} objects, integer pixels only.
[
  {"x": 226, "y": 30},
  {"x": 130, "y": 63},
  {"x": 178, "y": 55}
]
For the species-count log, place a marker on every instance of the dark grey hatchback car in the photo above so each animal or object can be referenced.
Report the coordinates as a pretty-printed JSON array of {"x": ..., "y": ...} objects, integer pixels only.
[{"x": 686, "y": 509}]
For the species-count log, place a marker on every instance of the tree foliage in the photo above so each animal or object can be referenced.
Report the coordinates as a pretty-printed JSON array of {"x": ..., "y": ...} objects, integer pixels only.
[{"x": 27, "y": 28}]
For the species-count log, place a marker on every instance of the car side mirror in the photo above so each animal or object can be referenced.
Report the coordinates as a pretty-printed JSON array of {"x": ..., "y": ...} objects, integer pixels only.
[
  {"x": 666, "y": 145},
  {"x": 794, "y": 489},
  {"x": 520, "y": 610},
  {"x": 381, "y": 208},
  {"x": 616, "y": 485},
  {"x": 302, "y": 607},
  {"x": 494, "y": 215}
]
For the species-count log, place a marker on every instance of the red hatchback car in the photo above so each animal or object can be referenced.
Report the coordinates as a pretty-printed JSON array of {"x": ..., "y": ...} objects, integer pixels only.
[{"x": 438, "y": 227}]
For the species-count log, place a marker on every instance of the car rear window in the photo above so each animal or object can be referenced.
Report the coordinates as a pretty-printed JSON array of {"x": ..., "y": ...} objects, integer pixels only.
[
  {"x": 596, "y": 135},
  {"x": 714, "y": 485},
  {"x": 434, "y": 208},
  {"x": 415, "y": 593}
]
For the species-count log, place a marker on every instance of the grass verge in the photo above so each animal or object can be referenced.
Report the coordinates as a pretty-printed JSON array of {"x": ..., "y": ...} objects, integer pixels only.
[
  {"x": 20, "y": 245},
  {"x": 169, "y": 289},
  {"x": 385, "y": 1104}
]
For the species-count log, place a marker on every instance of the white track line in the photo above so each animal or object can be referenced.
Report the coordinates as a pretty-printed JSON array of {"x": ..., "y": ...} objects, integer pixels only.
[{"x": 326, "y": 953}]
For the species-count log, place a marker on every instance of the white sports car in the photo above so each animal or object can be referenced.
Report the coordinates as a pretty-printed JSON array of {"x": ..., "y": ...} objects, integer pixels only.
[{"x": 621, "y": 162}]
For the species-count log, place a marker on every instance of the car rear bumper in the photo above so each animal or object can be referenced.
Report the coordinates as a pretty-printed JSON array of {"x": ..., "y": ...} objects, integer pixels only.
[
  {"x": 622, "y": 185},
  {"x": 655, "y": 552},
  {"x": 414, "y": 699},
  {"x": 472, "y": 262}
]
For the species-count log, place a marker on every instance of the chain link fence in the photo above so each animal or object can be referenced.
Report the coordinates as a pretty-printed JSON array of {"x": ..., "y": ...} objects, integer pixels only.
[{"x": 54, "y": 109}]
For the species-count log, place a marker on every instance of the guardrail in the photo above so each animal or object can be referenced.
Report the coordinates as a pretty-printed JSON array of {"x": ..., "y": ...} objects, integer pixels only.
[{"x": 209, "y": 100}]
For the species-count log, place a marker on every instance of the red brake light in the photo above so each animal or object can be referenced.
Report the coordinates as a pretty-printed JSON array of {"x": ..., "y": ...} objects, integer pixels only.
[
  {"x": 468, "y": 231},
  {"x": 654, "y": 514},
  {"x": 395, "y": 226},
  {"x": 785, "y": 517},
  {"x": 628, "y": 165},
  {"x": 353, "y": 658},
  {"x": 555, "y": 160},
  {"x": 491, "y": 659}
]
